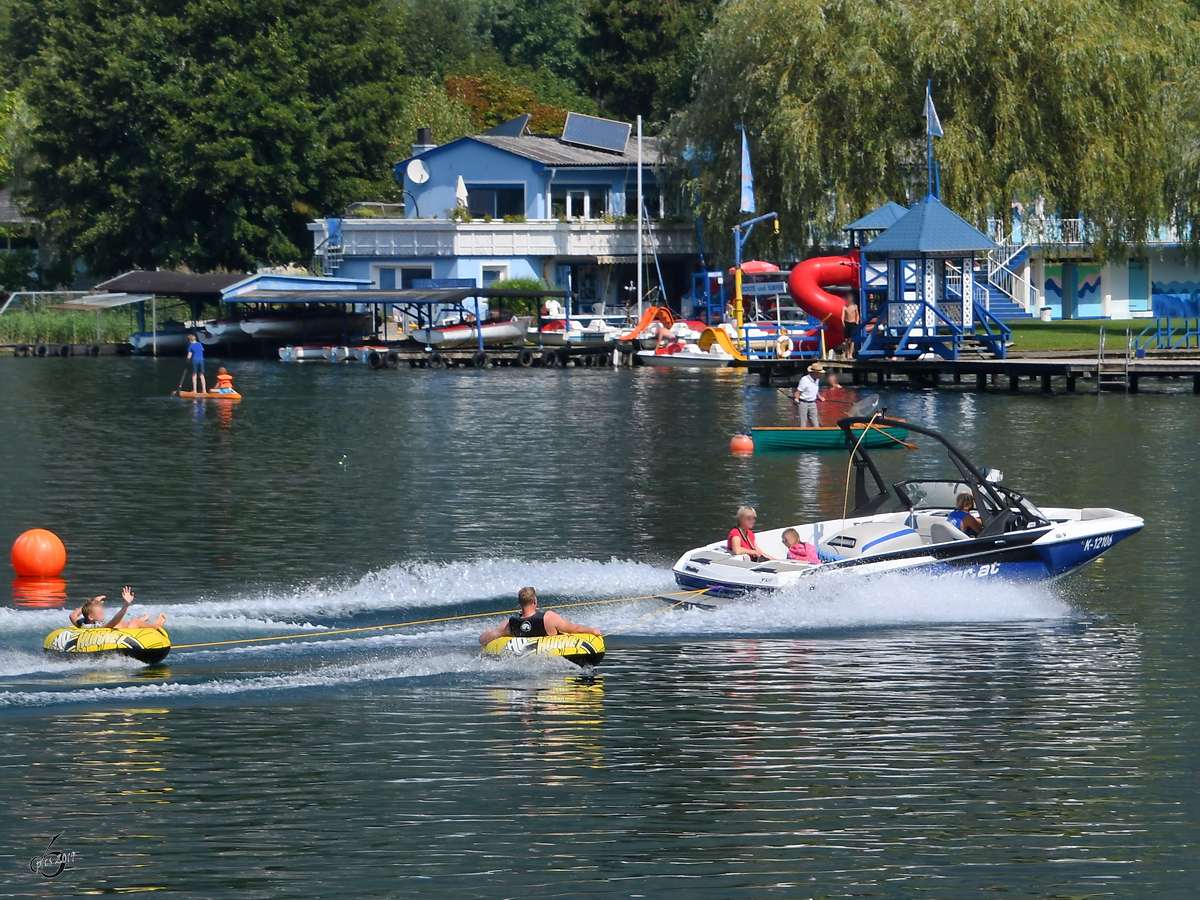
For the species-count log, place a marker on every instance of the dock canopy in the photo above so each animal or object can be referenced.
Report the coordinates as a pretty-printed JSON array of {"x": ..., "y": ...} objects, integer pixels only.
[
  {"x": 442, "y": 296},
  {"x": 878, "y": 220},
  {"x": 98, "y": 302},
  {"x": 184, "y": 285},
  {"x": 931, "y": 228}
]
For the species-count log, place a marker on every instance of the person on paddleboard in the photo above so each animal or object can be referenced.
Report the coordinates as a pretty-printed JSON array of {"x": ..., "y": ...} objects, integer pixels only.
[
  {"x": 195, "y": 352},
  {"x": 529, "y": 622},
  {"x": 91, "y": 614},
  {"x": 224, "y": 381}
]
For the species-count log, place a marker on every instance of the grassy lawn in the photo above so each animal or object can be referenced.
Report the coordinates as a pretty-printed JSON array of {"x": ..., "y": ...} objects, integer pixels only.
[{"x": 1071, "y": 335}]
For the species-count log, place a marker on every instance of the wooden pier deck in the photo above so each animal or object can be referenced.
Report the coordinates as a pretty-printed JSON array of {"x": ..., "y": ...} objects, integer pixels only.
[{"x": 1043, "y": 370}]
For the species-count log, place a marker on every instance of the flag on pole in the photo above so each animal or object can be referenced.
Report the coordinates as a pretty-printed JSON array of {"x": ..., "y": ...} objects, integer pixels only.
[
  {"x": 933, "y": 125},
  {"x": 748, "y": 205}
]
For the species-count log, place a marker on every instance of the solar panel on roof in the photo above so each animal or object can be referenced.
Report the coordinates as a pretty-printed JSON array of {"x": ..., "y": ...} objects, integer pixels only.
[
  {"x": 590, "y": 131},
  {"x": 512, "y": 128}
]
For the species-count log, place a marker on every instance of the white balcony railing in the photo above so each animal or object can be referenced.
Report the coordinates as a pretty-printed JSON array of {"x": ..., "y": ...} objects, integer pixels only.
[{"x": 425, "y": 238}]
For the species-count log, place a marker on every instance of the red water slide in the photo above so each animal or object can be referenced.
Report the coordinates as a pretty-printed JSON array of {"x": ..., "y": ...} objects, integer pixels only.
[{"x": 807, "y": 283}]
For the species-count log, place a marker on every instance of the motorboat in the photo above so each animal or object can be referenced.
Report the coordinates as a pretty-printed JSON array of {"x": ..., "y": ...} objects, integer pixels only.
[
  {"x": 283, "y": 324},
  {"x": 903, "y": 527},
  {"x": 462, "y": 334},
  {"x": 686, "y": 356},
  {"x": 589, "y": 334},
  {"x": 170, "y": 340}
]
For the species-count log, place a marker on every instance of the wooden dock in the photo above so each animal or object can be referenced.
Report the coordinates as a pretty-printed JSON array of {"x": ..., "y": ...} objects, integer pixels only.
[{"x": 1045, "y": 371}]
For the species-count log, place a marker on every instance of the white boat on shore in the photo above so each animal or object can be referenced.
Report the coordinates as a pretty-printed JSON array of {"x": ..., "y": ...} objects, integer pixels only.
[
  {"x": 171, "y": 339},
  {"x": 690, "y": 357},
  {"x": 325, "y": 324},
  {"x": 302, "y": 353},
  {"x": 464, "y": 334}
]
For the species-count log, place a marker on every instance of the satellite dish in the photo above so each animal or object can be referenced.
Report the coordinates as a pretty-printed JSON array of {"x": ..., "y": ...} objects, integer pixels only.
[
  {"x": 865, "y": 406},
  {"x": 417, "y": 171}
]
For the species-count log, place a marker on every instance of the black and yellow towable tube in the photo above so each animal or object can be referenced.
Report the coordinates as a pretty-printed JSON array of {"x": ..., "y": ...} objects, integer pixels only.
[
  {"x": 581, "y": 649},
  {"x": 148, "y": 645}
]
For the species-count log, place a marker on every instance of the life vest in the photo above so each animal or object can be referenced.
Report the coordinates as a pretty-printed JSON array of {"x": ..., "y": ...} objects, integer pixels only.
[
  {"x": 225, "y": 381},
  {"x": 530, "y": 627}
]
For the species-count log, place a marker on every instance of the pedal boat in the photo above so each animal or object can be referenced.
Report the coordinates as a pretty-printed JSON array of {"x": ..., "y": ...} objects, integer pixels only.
[{"x": 903, "y": 528}]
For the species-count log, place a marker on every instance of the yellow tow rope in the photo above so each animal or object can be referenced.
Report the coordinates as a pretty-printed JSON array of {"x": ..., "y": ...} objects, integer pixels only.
[{"x": 487, "y": 615}]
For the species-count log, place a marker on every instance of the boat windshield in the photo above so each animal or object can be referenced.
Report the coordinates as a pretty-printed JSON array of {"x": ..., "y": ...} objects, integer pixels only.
[{"x": 941, "y": 495}]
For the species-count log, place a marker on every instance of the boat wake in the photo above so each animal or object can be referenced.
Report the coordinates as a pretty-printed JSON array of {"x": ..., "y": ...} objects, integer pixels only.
[{"x": 447, "y": 651}]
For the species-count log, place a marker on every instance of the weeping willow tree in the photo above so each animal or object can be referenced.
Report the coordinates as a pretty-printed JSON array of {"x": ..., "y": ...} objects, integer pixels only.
[{"x": 1076, "y": 107}]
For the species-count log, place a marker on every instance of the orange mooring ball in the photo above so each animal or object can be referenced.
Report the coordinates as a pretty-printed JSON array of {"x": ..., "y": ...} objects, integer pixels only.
[
  {"x": 741, "y": 444},
  {"x": 38, "y": 553}
]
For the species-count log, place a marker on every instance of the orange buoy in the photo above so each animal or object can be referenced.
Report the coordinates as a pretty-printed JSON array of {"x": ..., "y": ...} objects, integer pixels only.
[
  {"x": 38, "y": 553},
  {"x": 741, "y": 445}
]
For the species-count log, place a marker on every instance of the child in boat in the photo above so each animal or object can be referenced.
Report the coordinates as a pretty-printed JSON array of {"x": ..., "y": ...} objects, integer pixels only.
[
  {"x": 91, "y": 614},
  {"x": 224, "y": 382},
  {"x": 798, "y": 550}
]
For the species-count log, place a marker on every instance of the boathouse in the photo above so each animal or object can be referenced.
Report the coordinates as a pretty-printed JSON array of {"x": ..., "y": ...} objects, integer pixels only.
[{"x": 508, "y": 203}]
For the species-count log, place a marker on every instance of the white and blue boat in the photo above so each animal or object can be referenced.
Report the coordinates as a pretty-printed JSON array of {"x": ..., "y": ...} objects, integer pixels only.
[{"x": 904, "y": 528}]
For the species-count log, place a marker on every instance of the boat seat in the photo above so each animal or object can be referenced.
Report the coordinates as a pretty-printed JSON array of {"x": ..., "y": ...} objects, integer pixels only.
[{"x": 945, "y": 533}]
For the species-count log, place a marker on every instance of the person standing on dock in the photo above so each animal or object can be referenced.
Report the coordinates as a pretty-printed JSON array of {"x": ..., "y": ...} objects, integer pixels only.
[
  {"x": 529, "y": 623},
  {"x": 850, "y": 322},
  {"x": 808, "y": 392},
  {"x": 195, "y": 352}
]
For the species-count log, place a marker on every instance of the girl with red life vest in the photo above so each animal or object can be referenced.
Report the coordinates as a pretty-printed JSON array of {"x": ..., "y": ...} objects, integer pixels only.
[{"x": 741, "y": 540}]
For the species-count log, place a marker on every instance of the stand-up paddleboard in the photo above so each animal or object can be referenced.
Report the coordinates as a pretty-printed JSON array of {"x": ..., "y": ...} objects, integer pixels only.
[
  {"x": 148, "y": 645},
  {"x": 581, "y": 649},
  {"x": 211, "y": 395}
]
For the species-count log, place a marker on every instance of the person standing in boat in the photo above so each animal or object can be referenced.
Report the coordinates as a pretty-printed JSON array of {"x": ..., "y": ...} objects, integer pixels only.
[
  {"x": 195, "y": 352},
  {"x": 741, "y": 541},
  {"x": 808, "y": 392},
  {"x": 531, "y": 623}
]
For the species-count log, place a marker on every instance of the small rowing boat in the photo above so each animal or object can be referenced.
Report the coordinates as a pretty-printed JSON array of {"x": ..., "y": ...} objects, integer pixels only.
[
  {"x": 148, "y": 645},
  {"x": 581, "y": 649},
  {"x": 793, "y": 437},
  {"x": 211, "y": 395}
]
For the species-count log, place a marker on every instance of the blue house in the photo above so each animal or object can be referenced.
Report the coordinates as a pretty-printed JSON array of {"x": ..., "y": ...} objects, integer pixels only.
[{"x": 557, "y": 208}]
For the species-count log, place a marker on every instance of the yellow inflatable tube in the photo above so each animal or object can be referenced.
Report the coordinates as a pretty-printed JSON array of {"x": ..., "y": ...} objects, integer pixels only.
[
  {"x": 581, "y": 649},
  {"x": 148, "y": 645}
]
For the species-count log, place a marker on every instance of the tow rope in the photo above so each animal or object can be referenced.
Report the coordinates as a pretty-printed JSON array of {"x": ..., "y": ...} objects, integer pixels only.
[{"x": 487, "y": 615}]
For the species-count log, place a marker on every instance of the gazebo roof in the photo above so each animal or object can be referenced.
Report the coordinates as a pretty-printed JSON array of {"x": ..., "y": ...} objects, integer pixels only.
[
  {"x": 884, "y": 217},
  {"x": 929, "y": 227}
]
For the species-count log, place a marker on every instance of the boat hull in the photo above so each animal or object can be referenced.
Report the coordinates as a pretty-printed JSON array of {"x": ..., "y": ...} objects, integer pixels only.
[
  {"x": 495, "y": 334},
  {"x": 147, "y": 645},
  {"x": 685, "y": 359},
  {"x": 1040, "y": 555},
  {"x": 581, "y": 649},
  {"x": 796, "y": 438}
]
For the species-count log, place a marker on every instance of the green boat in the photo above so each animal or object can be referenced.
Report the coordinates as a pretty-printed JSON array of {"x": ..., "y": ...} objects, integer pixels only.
[{"x": 792, "y": 437}]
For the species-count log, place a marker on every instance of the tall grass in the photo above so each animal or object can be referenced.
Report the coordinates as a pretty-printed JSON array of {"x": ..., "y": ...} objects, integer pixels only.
[{"x": 32, "y": 322}]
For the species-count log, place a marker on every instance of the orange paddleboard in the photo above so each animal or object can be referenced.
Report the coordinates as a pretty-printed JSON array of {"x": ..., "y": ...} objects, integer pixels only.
[{"x": 211, "y": 395}]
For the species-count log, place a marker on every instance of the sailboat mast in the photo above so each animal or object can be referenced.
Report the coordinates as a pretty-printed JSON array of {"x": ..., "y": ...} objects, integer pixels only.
[{"x": 639, "y": 218}]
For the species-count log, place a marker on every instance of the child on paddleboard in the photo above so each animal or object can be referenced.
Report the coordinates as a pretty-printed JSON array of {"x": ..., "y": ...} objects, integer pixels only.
[
  {"x": 91, "y": 614},
  {"x": 224, "y": 382},
  {"x": 798, "y": 550}
]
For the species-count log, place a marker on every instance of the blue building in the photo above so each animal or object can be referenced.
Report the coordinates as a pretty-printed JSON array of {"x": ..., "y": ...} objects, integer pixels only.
[{"x": 561, "y": 209}]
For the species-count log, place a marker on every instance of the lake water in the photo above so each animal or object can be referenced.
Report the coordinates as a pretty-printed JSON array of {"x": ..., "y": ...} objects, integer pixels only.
[{"x": 896, "y": 739}]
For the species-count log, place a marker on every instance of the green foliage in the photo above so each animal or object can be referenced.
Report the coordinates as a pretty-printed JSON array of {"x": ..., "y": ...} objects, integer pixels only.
[
  {"x": 10, "y": 108},
  {"x": 521, "y": 306},
  {"x": 202, "y": 132},
  {"x": 1075, "y": 103},
  {"x": 441, "y": 37},
  {"x": 640, "y": 55},
  {"x": 538, "y": 34},
  {"x": 1069, "y": 335},
  {"x": 31, "y": 322}
]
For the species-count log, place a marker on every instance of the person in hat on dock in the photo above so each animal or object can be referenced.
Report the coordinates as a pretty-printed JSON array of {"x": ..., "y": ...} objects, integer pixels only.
[{"x": 808, "y": 392}]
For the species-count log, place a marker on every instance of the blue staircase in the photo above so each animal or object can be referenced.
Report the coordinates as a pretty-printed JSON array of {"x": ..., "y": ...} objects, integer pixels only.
[{"x": 1002, "y": 306}]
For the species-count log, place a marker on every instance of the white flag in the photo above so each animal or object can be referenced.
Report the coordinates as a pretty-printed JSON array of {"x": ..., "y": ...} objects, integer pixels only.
[{"x": 933, "y": 125}]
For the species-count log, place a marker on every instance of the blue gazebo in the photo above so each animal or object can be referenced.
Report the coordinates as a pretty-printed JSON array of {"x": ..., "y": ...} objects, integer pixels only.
[{"x": 933, "y": 302}]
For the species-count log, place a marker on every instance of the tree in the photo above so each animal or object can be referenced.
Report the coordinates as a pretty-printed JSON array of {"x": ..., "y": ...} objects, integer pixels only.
[
  {"x": 538, "y": 34},
  {"x": 1074, "y": 103},
  {"x": 202, "y": 132},
  {"x": 640, "y": 55}
]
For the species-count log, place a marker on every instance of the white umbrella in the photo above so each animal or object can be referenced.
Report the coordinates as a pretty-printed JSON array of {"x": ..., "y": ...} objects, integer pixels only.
[{"x": 460, "y": 192}]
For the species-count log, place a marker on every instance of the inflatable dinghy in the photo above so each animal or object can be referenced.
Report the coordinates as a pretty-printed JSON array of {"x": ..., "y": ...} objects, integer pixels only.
[
  {"x": 148, "y": 645},
  {"x": 581, "y": 649},
  {"x": 211, "y": 395}
]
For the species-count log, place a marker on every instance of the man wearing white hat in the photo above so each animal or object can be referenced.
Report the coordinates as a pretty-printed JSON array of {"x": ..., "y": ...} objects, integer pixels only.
[{"x": 808, "y": 392}]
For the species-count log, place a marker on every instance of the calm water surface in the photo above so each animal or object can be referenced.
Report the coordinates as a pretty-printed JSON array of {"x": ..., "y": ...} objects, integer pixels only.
[{"x": 901, "y": 738}]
